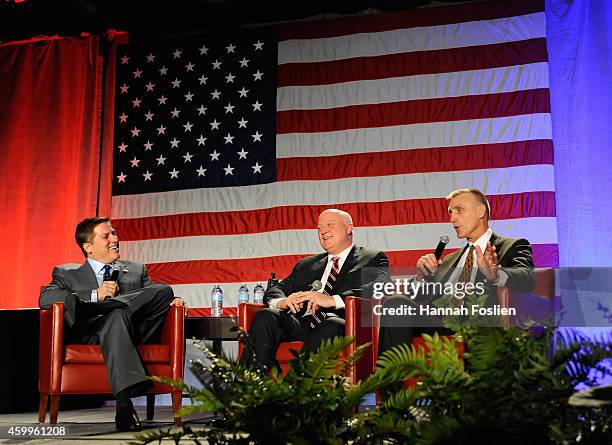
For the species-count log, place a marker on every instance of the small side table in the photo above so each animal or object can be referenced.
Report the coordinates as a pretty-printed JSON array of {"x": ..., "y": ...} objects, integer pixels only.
[{"x": 217, "y": 329}]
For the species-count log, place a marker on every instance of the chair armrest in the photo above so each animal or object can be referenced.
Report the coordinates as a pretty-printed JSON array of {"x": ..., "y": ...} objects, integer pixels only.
[
  {"x": 51, "y": 348},
  {"x": 173, "y": 335},
  {"x": 246, "y": 313},
  {"x": 359, "y": 325}
]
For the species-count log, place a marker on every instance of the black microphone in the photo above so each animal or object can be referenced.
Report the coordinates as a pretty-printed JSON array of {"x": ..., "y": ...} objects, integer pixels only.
[
  {"x": 440, "y": 247},
  {"x": 115, "y": 275}
]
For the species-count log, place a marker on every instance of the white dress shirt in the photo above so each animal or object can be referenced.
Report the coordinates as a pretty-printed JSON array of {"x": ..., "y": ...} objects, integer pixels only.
[
  {"x": 342, "y": 258},
  {"x": 482, "y": 243},
  {"x": 98, "y": 269}
]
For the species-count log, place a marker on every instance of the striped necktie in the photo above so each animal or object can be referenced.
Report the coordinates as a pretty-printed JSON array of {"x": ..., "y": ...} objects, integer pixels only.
[{"x": 333, "y": 274}]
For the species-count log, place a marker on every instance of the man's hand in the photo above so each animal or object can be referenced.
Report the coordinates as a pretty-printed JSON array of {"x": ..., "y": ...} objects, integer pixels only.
[
  {"x": 427, "y": 266},
  {"x": 292, "y": 302},
  {"x": 108, "y": 289},
  {"x": 178, "y": 301},
  {"x": 316, "y": 300},
  {"x": 487, "y": 263}
]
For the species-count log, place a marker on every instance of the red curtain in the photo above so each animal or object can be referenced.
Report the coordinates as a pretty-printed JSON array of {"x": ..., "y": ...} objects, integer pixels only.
[{"x": 50, "y": 130}]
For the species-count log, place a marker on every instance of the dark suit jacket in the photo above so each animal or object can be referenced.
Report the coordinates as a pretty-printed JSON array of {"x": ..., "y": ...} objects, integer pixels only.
[
  {"x": 72, "y": 278},
  {"x": 361, "y": 269},
  {"x": 513, "y": 254}
]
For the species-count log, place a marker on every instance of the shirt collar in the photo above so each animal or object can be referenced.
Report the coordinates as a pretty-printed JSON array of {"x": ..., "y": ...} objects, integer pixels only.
[
  {"x": 483, "y": 240},
  {"x": 97, "y": 266},
  {"x": 342, "y": 255}
]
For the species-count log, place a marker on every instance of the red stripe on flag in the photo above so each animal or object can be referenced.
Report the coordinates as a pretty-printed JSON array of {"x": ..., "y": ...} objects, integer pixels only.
[
  {"x": 414, "y": 112},
  {"x": 413, "y": 63},
  {"x": 471, "y": 157},
  {"x": 442, "y": 15},
  {"x": 259, "y": 269},
  {"x": 415, "y": 211}
]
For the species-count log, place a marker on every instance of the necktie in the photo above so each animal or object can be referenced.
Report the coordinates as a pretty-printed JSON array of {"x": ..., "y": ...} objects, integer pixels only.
[
  {"x": 333, "y": 274},
  {"x": 107, "y": 273},
  {"x": 466, "y": 274}
]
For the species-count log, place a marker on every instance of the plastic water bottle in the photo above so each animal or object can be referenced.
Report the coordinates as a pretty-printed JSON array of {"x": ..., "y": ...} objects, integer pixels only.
[
  {"x": 243, "y": 294},
  {"x": 258, "y": 293},
  {"x": 216, "y": 296}
]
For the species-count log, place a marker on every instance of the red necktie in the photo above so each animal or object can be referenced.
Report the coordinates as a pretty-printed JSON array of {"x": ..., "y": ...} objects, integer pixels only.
[{"x": 333, "y": 274}]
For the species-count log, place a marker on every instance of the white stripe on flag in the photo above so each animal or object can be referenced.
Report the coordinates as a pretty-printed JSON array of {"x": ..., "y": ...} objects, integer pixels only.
[
  {"x": 429, "y": 86},
  {"x": 414, "y": 136},
  {"x": 541, "y": 230},
  {"x": 363, "y": 189},
  {"x": 430, "y": 38}
]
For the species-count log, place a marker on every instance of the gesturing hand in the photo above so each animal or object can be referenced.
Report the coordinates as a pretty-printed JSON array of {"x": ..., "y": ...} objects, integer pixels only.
[{"x": 487, "y": 262}]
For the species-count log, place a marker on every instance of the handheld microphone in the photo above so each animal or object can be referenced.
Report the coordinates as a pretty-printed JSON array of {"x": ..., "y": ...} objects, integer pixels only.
[
  {"x": 316, "y": 285},
  {"x": 115, "y": 275},
  {"x": 440, "y": 247}
]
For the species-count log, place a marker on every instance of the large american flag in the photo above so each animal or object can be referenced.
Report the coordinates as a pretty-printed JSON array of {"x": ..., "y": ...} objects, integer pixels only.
[{"x": 227, "y": 148}]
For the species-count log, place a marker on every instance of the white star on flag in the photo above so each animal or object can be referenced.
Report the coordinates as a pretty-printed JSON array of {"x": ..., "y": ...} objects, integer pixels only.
[
  {"x": 160, "y": 160},
  {"x": 151, "y": 58},
  {"x": 187, "y": 127},
  {"x": 242, "y": 153},
  {"x": 201, "y": 171},
  {"x": 147, "y": 176},
  {"x": 187, "y": 157},
  {"x": 201, "y": 140},
  {"x": 229, "y": 139},
  {"x": 174, "y": 143},
  {"x": 135, "y": 132},
  {"x": 229, "y": 170},
  {"x": 214, "y": 156},
  {"x": 163, "y": 71},
  {"x": 257, "y": 168},
  {"x": 123, "y": 117},
  {"x": 176, "y": 54},
  {"x": 257, "y": 136},
  {"x": 148, "y": 145},
  {"x": 174, "y": 173},
  {"x": 121, "y": 177}
]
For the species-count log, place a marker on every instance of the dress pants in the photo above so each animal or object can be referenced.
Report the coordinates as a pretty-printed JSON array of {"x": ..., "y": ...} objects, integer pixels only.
[
  {"x": 271, "y": 327},
  {"x": 119, "y": 331}
]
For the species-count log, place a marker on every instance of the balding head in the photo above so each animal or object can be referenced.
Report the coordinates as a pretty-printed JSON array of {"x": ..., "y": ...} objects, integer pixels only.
[{"x": 335, "y": 229}]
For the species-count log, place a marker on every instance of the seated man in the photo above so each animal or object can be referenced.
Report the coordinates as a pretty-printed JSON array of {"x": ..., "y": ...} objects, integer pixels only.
[
  {"x": 343, "y": 270},
  {"x": 116, "y": 313},
  {"x": 487, "y": 258}
]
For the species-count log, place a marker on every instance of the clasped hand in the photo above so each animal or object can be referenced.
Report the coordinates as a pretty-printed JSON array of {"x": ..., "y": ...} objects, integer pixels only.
[
  {"x": 312, "y": 299},
  {"x": 108, "y": 289}
]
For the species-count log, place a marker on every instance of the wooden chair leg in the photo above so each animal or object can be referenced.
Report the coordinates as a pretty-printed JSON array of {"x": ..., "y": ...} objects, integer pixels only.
[
  {"x": 177, "y": 400},
  {"x": 42, "y": 407},
  {"x": 150, "y": 406},
  {"x": 55, "y": 399}
]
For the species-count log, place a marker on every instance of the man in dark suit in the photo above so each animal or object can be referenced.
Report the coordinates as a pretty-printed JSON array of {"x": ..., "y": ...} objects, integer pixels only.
[
  {"x": 343, "y": 270},
  {"x": 488, "y": 258},
  {"x": 115, "y": 304}
]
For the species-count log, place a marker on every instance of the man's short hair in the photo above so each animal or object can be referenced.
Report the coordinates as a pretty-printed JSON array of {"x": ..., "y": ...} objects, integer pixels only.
[
  {"x": 480, "y": 197},
  {"x": 85, "y": 231}
]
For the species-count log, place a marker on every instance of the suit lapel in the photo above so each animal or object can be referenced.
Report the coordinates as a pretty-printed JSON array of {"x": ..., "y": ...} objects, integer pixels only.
[
  {"x": 449, "y": 262},
  {"x": 351, "y": 261},
  {"x": 87, "y": 276}
]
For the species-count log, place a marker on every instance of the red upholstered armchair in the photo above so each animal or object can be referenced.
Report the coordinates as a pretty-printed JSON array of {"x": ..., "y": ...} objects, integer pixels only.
[
  {"x": 80, "y": 369},
  {"x": 539, "y": 304},
  {"x": 355, "y": 327}
]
